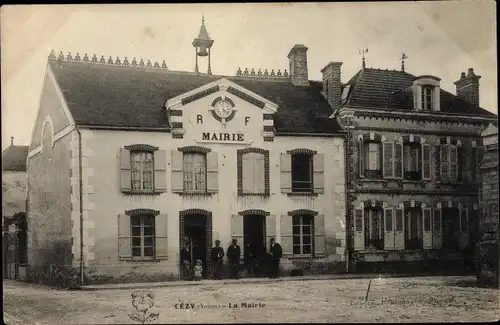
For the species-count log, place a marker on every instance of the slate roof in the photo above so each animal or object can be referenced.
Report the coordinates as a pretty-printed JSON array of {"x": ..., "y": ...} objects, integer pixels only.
[
  {"x": 120, "y": 96},
  {"x": 14, "y": 158},
  {"x": 388, "y": 89}
]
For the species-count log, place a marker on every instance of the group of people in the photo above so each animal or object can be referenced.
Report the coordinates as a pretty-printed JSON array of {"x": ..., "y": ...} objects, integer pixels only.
[{"x": 256, "y": 261}]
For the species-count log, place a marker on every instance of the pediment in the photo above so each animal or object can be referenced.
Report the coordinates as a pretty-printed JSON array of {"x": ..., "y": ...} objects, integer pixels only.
[{"x": 222, "y": 84}]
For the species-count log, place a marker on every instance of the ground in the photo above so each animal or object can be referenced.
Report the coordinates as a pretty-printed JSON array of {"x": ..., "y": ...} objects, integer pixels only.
[{"x": 431, "y": 299}]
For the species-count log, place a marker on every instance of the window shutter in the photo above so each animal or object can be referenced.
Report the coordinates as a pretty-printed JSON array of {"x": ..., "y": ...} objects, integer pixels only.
[
  {"x": 399, "y": 234},
  {"x": 160, "y": 166},
  {"x": 319, "y": 235},
  {"x": 286, "y": 173},
  {"x": 427, "y": 233},
  {"x": 437, "y": 239},
  {"x": 319, "y": 177},
  {"x": 445, "y": 174},
  {"x": 161, "y": 241},
  {"x": 461, "y": 164},
  {"x": 426, "y": 161},
  {"x": 438, "y": 162},
  {"x": 237, "y": 230},
  {"x": 388, "y": 159},
  {"x": 464, "y": 228},
  {"x": 453, "y": 164},
  {"x": 124, "y": 240},
  {"x": 177, "y": 171},
  {"x": 359, "y": 237},
  {"x": 248, "y": 166},
  {"x": 389, "y": 228},
  {"x": 361, "y": 158},
  {"x": 259, "y": 182},
  {"x": 270, "y": 230},
  {"x": 286, "y": 235},
  {"x": 212, "y": 172},
  {"x": 126, "y": 177},
  {"x": 398, "y": 160}
]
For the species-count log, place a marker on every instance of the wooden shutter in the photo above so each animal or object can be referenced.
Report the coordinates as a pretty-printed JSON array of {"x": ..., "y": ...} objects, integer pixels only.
[
  {"x": 319, "y": 235},
  {"x": 161, "y": 240},
  {"x": 445, "y": 172},
  {"x": 438, "y": 162},
  {"x": 248, "y": 172},
  {"x": 427, "y": 228},
  {"x": 359, "y": 236},
  {"x": 399, "y": 229},
  {"x": 124, "y": 239},
  {"x": 270, "y": 230},
  {"x": 286, "y": 173},
  {"x": 464, "y": 228},
  {"x": 426, "y": 161},
  {"x": 126, "y": 176},
  {"x": 388, "y": 159},
  {"x": 398, "y": 160},
  {"x": 212, "y": 172},
  {"x": 237, "y": 230},
  {"x": 453, "y": 164},
  {"x": 160, "y": 166},
  {"x": 319, "y": 176},
  {"x": 437, "y": 242},
  {"x": 177, "y": 171},
  {"x": 361, "y": 158},
  {"x": 389, "y": 228},
  {"x": 259, "y": 183},
  {"x": 286, "y": 234},
  {"x": 461, "y": 164}
]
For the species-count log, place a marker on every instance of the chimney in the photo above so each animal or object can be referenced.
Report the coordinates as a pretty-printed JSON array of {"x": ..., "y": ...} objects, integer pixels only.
[
  {"x": 298, "y": 65},
  {"x": 468, "y": 87},
  {"x": 11, "y": 141},
  {"x": 332, "y": 85}
]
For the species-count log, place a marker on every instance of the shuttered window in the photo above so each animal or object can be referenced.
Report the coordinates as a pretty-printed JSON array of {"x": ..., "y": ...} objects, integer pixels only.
[
  {"x": 373, "y": 156},
  {"x": 426, "y": 162},
  {"x": 302, "y": 173},
  {"x": 392, "y": 153},
  {"x": 302, "y": 235},
  {"x": 143, "y": 239},
  {"x": 449, "y": 164},
  {"x": 253, "y": 173},
  {"x": 142, "y": 169},
  {"x": 195, "y": 168}
]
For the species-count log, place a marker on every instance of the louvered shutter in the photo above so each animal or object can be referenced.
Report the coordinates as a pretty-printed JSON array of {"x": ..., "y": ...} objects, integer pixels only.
[
  {"x": 124, "y": 237},
  {"x": 286, "y": 234},
  {"x": 453, "y": 164},
  {"x": 359, "y": 237},
  {"x": 319, "y": 177},
  {"x": 177, "y": 171},
  {"x": 437, "y": 242},
  {"x": 286, "y": 173},
  {"x": 399, "y": 234},
  {"x": 427, "y": 227},
  {"x": 438, "y": 162},
  {"x": 160, "y": 167},
  {"x": 361, "y": 158},
  {"x": 319, "y": 235},
  {"x": 237, "y": 230},
  {"x": 389, "y": 228},
  {"x": 248, "y": 166},
  {"x": 125, "y": 176},
  {"x": 398, "y": 160},
  {"x": 388, "y": 159},
  {"x": 161, "y": 240},
  {"x": 445, "y": 165},
  {"x": 212, "y": 172},
  {"x": 259, "y": 177},
  {"x": 426, "y": 162},
  {"x": 270, "y": 230},
  {"x": 461, "y": 164}
]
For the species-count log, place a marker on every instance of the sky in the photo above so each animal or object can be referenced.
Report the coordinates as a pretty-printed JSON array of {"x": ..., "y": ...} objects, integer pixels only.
[{"x": 440, "y": 38}]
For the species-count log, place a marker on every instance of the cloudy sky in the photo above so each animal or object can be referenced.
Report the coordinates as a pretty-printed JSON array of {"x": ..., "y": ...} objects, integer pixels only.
[{"x": 440, "y": 38}]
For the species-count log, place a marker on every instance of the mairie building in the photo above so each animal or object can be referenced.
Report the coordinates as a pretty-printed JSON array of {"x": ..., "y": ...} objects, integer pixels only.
[{"x": 129, "y": 158}]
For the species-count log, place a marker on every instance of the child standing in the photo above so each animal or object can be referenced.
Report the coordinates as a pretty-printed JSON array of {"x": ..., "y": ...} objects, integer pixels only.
[{"x": 198, "y": 269}]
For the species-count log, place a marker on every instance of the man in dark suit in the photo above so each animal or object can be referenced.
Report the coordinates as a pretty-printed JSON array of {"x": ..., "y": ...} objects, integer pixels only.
[
  {"x": 233, "y": 255},
  {"x": 185, "y": 256},
  {"x": 275, "y": 253},
  {"x": 217, "y": 255}
]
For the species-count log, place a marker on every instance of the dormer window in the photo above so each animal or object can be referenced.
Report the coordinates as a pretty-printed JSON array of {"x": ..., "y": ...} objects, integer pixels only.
[{"x": 427, "y": 98}]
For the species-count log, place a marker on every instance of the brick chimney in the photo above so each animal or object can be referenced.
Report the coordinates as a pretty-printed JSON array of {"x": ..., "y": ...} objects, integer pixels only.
[
  {"x": 298, "y": 65},
  {"x": 468, "y": 87},
  {"x": 332, "y": 84}
]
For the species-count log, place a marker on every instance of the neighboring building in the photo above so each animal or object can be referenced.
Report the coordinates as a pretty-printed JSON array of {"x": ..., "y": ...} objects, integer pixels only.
[
  {"x": 127, "y": 159},
  {"x": 488, "y": 195},
  {"x": 413, "y": 151},
  {"x": 13, "y": 210}
]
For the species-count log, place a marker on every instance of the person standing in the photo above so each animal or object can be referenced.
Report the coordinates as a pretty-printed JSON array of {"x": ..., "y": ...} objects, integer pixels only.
[
  {"x": 275, "y": 254},
  {"x": 249, "y": 259},
  {"x": 233, "y": 255},
  {"x": 217, "y": 258},
  {"x": 186, "y": 259}
]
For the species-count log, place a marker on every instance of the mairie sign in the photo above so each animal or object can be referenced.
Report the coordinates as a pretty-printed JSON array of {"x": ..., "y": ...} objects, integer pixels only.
[{"x": 223, "y": 137}]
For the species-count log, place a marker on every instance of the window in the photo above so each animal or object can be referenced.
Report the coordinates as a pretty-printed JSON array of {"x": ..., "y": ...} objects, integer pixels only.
[
  {"x": 427, "y": 92},
  {"x": 393, "y": 159},
  {"x": 449, "y": 163},
  {"x": 369, "y": 158},
  {"x": 143, "y": 236},
  {"x": 302, "y": 173},
  {"x": 475, "y": 163},
  {"x": 253, "y": 172},
  {"x": 426, "y": 162},
  {"x": 374, "y": 229},
  {"x": 195, "y": 176},
  {"x": 302, "y": 235},
  {"x": 373, "y": 155},
  {"x": 412, "y": 161},
  {"x": 142, "y": 170}
]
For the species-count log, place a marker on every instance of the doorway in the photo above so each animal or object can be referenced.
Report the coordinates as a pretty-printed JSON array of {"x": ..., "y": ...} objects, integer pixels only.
[
  {"x": 413, "y": 228},
  {"x": 254, "y": 234},
  {"x": 195, "y": 228},
  {"x": 450, "y": 228}
]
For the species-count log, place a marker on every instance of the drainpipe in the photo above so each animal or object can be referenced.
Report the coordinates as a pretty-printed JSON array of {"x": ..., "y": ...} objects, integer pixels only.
[
  {"x": 347, "y": 171},
  {"x": 80, "y": 185}
]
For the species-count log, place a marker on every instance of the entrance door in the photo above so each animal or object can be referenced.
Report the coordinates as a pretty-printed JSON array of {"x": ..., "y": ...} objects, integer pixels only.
[
  {"x": 413, "y": 229},
  {"x": 450, "y": 228},
  {"x": 254, "y": 234},
  {"x": 195, "y": 227}
]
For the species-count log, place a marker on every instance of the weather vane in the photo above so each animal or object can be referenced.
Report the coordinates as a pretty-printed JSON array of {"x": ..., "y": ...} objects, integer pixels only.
[
  {"x": 362, "y": 52},
  {"x": 403, "y": 58}
]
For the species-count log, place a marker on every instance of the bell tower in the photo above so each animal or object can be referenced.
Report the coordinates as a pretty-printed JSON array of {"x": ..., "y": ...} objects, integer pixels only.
[{"x": 202, "y": 45}]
